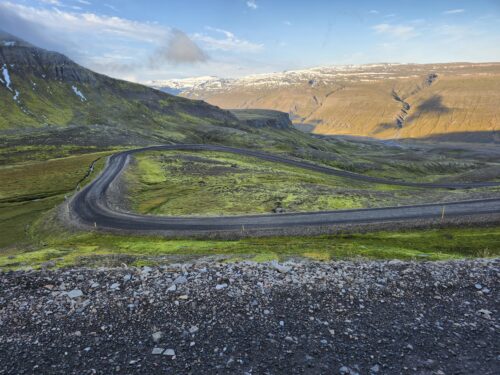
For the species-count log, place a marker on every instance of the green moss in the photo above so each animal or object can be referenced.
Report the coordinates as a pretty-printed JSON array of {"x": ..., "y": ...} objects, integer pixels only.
[
  {"x": 182, "y": 183},
  {"x": 36, "y": 178},
  {"x": 95, "y": 249},
  {"x": 30, "y": 189},
  {"x": 215, "y": 183},
  {"x": 151, "y": 172}
]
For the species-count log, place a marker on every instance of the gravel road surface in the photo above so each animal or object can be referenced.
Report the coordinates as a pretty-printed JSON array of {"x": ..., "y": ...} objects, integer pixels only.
[{"x": 361, "y": 317}]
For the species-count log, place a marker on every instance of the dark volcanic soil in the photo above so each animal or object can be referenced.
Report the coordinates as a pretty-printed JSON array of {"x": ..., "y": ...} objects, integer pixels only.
[{"x": 298, "y": 318}]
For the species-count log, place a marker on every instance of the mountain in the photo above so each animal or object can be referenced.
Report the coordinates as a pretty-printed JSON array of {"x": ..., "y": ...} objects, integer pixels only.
[
  {"x": 177, "y": 86},
  {"x": 45, "y": 91},
  {"x": 378, "y": 100}
]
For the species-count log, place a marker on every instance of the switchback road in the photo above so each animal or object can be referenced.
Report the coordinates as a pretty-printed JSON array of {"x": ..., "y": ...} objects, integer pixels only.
[{"x": 90, "y": 207}]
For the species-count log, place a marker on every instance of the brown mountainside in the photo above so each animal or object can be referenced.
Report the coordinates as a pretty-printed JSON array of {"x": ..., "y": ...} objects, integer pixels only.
[{"x": 381, "y": 101}]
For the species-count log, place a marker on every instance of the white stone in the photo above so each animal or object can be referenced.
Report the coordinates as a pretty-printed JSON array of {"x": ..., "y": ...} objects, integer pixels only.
[{"x": 75, "y": 293}]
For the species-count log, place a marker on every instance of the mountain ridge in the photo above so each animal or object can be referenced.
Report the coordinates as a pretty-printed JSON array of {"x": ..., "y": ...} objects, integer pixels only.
[
  {"x": 45, "y": 89},
  {"x": 362, "y": 100}
]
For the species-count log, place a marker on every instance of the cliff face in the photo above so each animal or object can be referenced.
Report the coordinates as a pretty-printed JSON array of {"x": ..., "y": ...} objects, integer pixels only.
[
  {"x": 44, "y": 88},
  {"x": 259, "y": 118}
]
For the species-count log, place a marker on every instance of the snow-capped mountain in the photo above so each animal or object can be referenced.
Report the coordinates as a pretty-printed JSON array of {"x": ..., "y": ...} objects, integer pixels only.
[
  {"x": 322, "y": 75},
  {"x": 312, "y": 76},
  {"x": 376, "y": 100},
  {"x": 177, "y": 86}
]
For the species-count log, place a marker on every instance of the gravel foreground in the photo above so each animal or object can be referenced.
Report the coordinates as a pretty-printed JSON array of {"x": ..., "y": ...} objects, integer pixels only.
[{"x": 246, "y": 318}]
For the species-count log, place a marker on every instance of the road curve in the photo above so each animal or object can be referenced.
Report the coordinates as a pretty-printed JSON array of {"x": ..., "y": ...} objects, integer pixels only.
[{"x": 89, "y": 207}]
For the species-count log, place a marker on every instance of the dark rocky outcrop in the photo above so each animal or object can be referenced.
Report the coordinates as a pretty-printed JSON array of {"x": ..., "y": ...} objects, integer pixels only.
[{"x": 262, "y": 118}]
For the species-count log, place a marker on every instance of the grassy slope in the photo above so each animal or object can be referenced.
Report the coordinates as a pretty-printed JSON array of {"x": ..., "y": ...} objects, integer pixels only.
[
  {"x": 49, "y": 102},
  {"x": 30, "y": 235},
  {"x": 214, "y": 183},
  {"x": 96, "y": 249},
  {"x": 207, "y": 183},
  {"x": 30, "y": 189}
]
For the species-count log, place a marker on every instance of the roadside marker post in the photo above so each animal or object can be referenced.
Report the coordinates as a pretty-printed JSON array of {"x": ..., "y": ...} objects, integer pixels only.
[{"x": 442, "y": 213}]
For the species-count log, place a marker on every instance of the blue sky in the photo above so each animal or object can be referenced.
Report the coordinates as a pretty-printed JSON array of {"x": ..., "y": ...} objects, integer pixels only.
[{"x": 153, "y": 39}]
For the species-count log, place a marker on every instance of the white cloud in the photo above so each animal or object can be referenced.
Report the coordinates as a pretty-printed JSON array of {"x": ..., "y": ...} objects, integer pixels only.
[
  {"x": 373, "y": 11},
  {"x": 396, "y": 31},
  {"x": 287, "y": 23},
  {"x": 84, "y": 2},
  {"x": 111, "y": 45},
  {"x": 62, "y": 25},
  {"x": 229, "y": 43},
  {"x": 252, "y": 4},
  {"x": 454, "y": 11},
  {"x": 179, "y": 49}
]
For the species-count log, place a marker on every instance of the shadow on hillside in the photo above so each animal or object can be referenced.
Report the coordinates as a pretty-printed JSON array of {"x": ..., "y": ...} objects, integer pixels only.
[{"x": 433, "y": 105}]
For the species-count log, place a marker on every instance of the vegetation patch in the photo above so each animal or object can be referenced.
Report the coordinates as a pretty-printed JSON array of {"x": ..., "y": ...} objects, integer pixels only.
[
  {"x": 29, "y": 189},
  {"x": 96, "y": 249},
  {"x": 211, "y": 183},
  {"x": 219, "y": 183},
  {"x": 36, "y": 179}
]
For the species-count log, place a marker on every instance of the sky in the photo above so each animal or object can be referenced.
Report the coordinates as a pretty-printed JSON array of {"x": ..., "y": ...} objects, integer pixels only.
[{"x": 164, "y": 39}]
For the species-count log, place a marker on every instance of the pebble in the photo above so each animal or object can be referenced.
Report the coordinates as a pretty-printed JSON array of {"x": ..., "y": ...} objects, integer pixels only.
[
  {"x": 249, "y": 316},
  {"x": 157, "y": 351},
  {"x": 180, "y": 280},
  {"x": 484, "y": 313},
  {"x": 169, "y": 352},
  {"x": 280, "y": 267},
  {"x": 75, "y": 293},
  {"x": 172, "y": 288},
  {"x": 157, "y": 336}
]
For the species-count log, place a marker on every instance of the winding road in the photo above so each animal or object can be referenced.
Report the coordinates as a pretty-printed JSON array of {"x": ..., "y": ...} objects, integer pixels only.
[{"x": 89, "y": 207}]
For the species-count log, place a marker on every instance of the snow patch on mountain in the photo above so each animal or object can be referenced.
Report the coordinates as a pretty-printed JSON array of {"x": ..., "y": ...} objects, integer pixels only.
[
  {"x": 79, "y": 93},
  {"x": 313, "y": 77},
  {"x": 6, "y": 77}
]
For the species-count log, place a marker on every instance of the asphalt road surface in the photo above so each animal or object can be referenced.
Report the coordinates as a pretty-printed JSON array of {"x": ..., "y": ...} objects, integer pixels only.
[{"x": 91, "y": 208}]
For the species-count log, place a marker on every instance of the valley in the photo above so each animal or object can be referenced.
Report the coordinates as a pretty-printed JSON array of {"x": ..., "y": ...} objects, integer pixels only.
[
  {"x": 249, "y": 187},
  {"x": 46, "y": 160}
]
